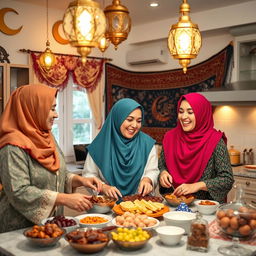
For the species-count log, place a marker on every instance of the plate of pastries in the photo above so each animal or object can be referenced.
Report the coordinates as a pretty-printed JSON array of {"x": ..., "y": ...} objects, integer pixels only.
[{"x": 141, "y": 206}]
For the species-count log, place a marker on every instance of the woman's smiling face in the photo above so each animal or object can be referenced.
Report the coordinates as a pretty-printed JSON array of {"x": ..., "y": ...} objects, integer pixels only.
[
  {"x": 132, "y": 124},
  {"x": 186, "y": 116}
]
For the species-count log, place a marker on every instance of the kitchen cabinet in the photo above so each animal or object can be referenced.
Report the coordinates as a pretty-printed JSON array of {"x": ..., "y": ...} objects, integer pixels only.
[
  {"x": 245, "y": 58},
  {"x": 11, "y": 77},
  {"x": 249, "y": 186}
]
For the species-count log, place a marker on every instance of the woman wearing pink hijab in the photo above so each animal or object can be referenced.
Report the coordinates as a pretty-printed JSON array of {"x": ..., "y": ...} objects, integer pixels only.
[{"x": 195, "y": 157}]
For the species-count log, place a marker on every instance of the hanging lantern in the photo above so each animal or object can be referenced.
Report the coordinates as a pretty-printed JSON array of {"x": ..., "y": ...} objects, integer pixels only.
[
  {"x": 103, "y": 44},
  {"x": 84, "y": 23},
  {"x": 47, "y": 58},
  {"x": 118, "y": 23},
  {"x": 184, "y": 40}
]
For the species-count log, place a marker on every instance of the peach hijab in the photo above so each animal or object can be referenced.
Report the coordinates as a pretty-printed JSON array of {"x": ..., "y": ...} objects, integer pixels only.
[{"x": 23, "y": 124}]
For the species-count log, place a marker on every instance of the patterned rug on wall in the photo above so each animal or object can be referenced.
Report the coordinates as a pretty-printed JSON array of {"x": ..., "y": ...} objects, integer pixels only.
[{"x": 158, "y": 92}]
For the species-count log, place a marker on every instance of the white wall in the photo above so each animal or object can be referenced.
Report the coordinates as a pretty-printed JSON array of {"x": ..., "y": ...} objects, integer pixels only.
[{"x": 239, "y": 125}]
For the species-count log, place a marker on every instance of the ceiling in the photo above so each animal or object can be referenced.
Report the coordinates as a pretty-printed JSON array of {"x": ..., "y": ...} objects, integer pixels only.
[{"x": 140, "y": 11}]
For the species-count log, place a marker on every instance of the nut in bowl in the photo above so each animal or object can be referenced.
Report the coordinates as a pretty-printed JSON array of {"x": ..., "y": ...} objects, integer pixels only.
[
  {"x": 130, "y": 239},
  {"x": 43, "y": 236},
  {"x": 94, "y": 220},
  {"x": 170, "y": 235},
  {"x": 89, "y": 241},
  {"x": 207, "y": 207},
  {"x": 236, "y": 220},
  {"x": 173, "y": 200},
  {"x": 102, "y": 204},
  {"x": 135, "y": 220},
  {"x": 66, "y": 222}
]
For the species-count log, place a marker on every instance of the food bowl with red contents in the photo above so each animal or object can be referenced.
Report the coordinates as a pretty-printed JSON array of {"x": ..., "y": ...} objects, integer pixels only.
[
  {"x": 94, "y": 220},
  {"x": 45, "y": 235},
  {"x": 236, "y": 220},
  {"x": 206, "y": 207}
]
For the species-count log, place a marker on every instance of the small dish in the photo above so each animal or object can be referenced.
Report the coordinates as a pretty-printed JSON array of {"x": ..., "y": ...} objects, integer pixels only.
[
  {"x": 144, "y": 228},
  {"x": 131, "y": 246},
  {"x": 175, "y": 201},
  {"x": 66, "y": 222},
  {"x": 206, "y": 207},
  {"x": 93, "y": 217},
  {"x": 170, "y": 235},
  {"x": 42, "y": 242},
  {"x": 102, "y": 204}
]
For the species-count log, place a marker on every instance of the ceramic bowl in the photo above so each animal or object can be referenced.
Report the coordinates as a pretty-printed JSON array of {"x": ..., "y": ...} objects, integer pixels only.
[
  {"x": 94, "y": 225},
  {"x": 42, "y": 242},
  {"x": 144, "y": 228},
  {"x": 179, "y": 219},
  {"x": 131, "y": 246},
  {"x": 170, "y": 235},
  {"x": 175, "y": 201},
  {"x": 206, "y": 207},
  {"x": 67, "y": 225}
]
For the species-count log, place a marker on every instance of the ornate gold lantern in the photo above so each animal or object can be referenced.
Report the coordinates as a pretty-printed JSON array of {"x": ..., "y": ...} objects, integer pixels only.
[
  {"x": 47, "y": 58},
  {"x": 118, "y": 23},
  {"x": 184, "y": 41},
  {"x": 103, "y": 44},
  {"x": 84, "y": 23}
]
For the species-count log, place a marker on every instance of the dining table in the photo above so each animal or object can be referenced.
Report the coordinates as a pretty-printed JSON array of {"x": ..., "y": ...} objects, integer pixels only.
[{"x": 15, "y": 243}]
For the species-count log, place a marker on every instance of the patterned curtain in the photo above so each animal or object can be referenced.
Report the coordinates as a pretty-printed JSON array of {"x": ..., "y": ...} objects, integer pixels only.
[{"x": 85, "y": 75}]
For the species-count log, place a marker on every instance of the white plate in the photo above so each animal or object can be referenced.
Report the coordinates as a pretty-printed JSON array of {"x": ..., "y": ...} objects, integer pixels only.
[
  {"x": 146, "y": 228},
  {"x": 100, "y": 225}
]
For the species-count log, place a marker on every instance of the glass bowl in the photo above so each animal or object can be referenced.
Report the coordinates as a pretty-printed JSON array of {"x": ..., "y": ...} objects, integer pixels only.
[
  {"x": 102, "y": 204},
  {"x": 130, "y": 245},
  {"x": 236, "y": 220},
  {"x": 175, "y": 201},
  {"x": 32, "y": 235}
]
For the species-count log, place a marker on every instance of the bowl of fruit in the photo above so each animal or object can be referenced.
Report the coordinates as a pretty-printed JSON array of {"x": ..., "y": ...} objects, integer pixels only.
[
  {"x": 66, "y": 222},
  {"x": 130, "y": 239}
]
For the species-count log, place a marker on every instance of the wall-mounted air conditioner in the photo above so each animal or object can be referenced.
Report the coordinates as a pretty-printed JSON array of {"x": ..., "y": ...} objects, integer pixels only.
[{"x": 147, "y": 55}]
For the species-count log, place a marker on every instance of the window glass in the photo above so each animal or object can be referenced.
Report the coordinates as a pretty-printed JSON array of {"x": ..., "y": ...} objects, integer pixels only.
[
  {"x": 56, "y": 133},
  {"x": 82, "y": 133},
  {"x": 81, "y": 107}
]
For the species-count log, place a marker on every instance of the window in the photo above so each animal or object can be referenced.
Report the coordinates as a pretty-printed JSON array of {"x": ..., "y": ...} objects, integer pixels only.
[{"x": 74, "y": 124}]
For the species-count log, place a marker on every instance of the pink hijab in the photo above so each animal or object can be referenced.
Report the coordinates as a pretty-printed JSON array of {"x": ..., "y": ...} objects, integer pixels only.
[{"x": 187, "y": 153}]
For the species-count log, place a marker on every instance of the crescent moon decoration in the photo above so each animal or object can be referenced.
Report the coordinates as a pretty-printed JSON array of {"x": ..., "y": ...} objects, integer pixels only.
[
  {"x": 3, "y": 27},
  {"x": 160, "y": 109},
  {"x": 56, "y": 34}
]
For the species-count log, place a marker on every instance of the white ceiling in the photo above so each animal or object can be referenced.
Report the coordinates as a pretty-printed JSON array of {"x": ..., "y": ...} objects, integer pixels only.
[{"x": 140, "y": 11}]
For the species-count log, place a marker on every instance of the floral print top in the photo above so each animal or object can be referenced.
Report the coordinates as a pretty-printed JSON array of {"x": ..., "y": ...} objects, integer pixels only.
[
  {"x": 29, "y": 190},
  {"x": 218, "y": 175}
]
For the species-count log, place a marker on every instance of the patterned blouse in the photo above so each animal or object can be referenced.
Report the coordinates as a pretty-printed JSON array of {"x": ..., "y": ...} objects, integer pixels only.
[
  {"x": 29, "y": 190},
  {"x": 218, "y": 175}
]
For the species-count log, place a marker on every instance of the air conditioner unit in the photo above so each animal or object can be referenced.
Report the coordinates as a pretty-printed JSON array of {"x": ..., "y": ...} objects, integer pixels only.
[{"x": 147, "y": 55}]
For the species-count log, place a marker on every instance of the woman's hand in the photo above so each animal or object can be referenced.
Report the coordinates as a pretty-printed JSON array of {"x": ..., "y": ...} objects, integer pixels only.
[
  {"x": 145, "y": 186},
  {"x": 111, "y": 191},
  {"x": 185, "y": 189},
  {"x": 75, "y": 201},
  {"x": 165, "y": 179},
  {"x": 92, "y": 182}
]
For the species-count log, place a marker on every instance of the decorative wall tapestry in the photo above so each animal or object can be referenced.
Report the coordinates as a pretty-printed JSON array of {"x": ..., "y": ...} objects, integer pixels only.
[{"x": 158, "y": 92}]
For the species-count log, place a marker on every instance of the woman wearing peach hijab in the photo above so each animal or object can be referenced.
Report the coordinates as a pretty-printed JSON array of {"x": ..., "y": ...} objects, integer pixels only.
[{"x": 36, "y": 183}]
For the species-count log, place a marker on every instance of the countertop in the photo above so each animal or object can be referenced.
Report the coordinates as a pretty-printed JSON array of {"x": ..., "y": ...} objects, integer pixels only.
[{"x": 16, "y": 244}]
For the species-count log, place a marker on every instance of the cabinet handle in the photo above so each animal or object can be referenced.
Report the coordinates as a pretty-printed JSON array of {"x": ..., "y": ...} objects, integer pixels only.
[{"x": 247, "y": 183}]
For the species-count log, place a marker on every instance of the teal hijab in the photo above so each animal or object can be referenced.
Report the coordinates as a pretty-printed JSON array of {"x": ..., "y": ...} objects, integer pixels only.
[{"x": 121, "y": 160}]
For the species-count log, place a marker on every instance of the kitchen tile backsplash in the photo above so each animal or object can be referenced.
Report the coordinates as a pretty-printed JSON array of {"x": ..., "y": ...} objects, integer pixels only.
[{"x": 239, "y": 125}]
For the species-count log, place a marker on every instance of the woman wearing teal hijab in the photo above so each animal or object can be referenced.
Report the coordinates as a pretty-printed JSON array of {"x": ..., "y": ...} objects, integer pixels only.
[{"x": 121, "y": 155}]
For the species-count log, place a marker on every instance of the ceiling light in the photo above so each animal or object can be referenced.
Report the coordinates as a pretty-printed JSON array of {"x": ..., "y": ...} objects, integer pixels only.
[
  {"x": 47, "y": 58},
  {"x": 184, "y": 40},
  {"x": 154, "y": 4},
  {"x": 84, "y": 23},
  {"x": 118, "y": 23}
]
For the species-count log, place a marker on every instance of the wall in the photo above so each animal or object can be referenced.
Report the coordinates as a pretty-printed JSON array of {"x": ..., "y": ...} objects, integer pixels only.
[{"x": 239, "y": 125}]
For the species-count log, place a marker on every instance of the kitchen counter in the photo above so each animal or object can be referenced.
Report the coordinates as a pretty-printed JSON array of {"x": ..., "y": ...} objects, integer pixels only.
[
  {"x": 242, "y": 172},
  {"x": 15, "y": 243}
]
